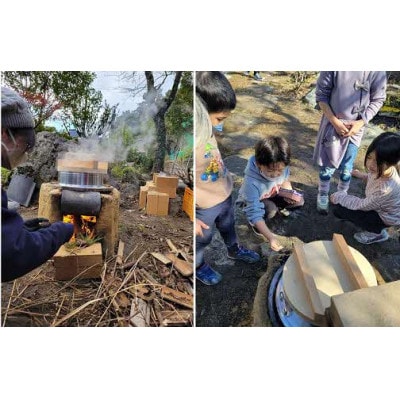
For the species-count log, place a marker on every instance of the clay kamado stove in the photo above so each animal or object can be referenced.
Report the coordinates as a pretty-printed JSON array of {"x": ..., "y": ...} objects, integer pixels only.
[{"x": 81, "y": 197}]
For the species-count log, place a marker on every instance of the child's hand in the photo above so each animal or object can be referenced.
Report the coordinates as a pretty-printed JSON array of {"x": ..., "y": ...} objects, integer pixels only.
[
  {"x": 200, "y": 225},
  {"x": 358, "y": 174},
  {"x": 354, "y": 126},
  {"x": 274, "y": 243},
  {"x": 340, "y": 128},
  {"x": 335, "y": 197}
]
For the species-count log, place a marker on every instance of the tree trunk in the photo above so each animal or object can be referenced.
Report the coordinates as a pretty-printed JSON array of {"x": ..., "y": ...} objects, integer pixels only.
[
  {"x": 163, "y": 105},
  {"x": 161, "y": 141}
]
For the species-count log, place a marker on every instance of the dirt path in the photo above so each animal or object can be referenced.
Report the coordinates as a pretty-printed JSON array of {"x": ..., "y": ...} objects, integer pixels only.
[{"x": 271, "y": 108}]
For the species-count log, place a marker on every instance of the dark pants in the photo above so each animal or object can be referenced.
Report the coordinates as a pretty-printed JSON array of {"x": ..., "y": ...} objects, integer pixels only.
[
  {"x": 223, "y": 216},
  {"x": 272, "y": 204},
  {"x": 367, "y": 220}
]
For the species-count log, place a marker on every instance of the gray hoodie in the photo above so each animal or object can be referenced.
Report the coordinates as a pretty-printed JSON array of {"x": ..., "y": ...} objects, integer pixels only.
[{"x": 257, "y": 187}]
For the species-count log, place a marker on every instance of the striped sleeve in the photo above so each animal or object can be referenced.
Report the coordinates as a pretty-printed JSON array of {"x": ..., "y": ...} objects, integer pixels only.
[{"x": 371, "y": 202}]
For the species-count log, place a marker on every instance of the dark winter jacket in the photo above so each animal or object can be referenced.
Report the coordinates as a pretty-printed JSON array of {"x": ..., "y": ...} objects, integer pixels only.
[{"x": 21, "y": 250}]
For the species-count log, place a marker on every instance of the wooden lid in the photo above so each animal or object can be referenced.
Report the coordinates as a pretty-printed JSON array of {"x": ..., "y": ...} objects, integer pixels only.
[
  {"x": 324, "y": 266},
  {"x": 91, "y": 166}
]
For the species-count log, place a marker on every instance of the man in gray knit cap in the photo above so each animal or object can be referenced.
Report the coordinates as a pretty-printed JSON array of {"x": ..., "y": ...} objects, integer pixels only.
[
  {"x": 22, "y": 248},
  {"x": 17, "y": 133}
]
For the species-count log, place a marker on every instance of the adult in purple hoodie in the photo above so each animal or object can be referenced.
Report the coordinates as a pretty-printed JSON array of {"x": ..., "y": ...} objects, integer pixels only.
[
  {"x": 22, "y": 248},
  {"x": 348, "y": 100}
]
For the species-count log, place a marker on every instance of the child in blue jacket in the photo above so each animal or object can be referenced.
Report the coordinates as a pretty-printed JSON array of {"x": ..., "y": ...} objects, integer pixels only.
[{"x": 266, "y": 187}]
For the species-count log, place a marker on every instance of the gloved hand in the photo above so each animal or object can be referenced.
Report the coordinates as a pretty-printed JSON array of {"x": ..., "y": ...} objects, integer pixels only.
[{"x": 36, "y": 223}]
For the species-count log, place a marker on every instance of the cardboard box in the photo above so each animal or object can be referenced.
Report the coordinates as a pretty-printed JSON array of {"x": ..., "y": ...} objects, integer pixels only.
[
  {"x": 69, "y": 264},
  {"x": 157, "y": 203},
  {"x": 162, "y": 204},
  {"x": 166, "y": 184},
  {"x": 151, "y": 185},
  {"x": 155, "y": 195},
  {"x": 143, "y": 196},
  {"x": 152, "y": 203},
  {"x": 170, "y": 191}
]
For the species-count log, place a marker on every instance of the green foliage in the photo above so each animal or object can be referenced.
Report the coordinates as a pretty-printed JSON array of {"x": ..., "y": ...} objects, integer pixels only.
[
  {"x": 134, "y": 129},
  {"x": 5, "y": 176},
  {"x": 393, "y": 77},
  {"x": 45, "y": 128},
  {"x": 128, "y": 174},
  {"x": 143, "y": 162},
  {"x": 117, "y": 170},
  {"x": 389, "y": 109},
  {"x": 125, "y": 135},
  {"x": 179, "y": 118},
  {"x": 67, "y": 136},
  {"x": 392, "y": 103},
  {"x": 67, "y": 92},
  {"x": 124, "y": 173}
]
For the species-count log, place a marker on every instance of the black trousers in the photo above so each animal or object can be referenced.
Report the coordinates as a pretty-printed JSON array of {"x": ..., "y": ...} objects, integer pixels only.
[
  {"x": 367, "y": 220},
  {"x": 272, "y": 204}
]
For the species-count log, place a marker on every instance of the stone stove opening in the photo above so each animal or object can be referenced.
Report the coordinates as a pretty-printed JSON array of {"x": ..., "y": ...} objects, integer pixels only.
[{"x": 84, "y": 227}]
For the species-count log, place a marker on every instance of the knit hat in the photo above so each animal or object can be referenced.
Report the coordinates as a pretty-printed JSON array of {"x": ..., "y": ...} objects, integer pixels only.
[{"x": 14, "y": 110}]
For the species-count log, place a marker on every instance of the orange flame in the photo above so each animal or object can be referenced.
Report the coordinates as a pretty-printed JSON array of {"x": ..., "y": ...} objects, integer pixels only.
[{"x": 83, "y": 225}]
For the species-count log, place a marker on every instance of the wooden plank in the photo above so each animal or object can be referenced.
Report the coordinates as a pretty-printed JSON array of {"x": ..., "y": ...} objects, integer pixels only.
[
  {"x": 177, "y": 297},
  {"x": 172, "y": 246},
  {"x": 160, "y": 257},
  {"x": 182, "y": 266},
  {"x": 148, "y": 276},
  {"x": 308, "y": 280},
  {"x": 176, "y": 317},
  {"x": 328, "y": 274},
  {"x": 183, "y": 255},
  {"x": 120, "y": 253},
  {"x": 368, "y": 307},
  {"x": 68, "y": 264},
  {"x": 348, "y": 262},
  {"x": 141, "y": 291},
  {"x": 81, "y": 165},
  {"x": 121, "y": 300}
]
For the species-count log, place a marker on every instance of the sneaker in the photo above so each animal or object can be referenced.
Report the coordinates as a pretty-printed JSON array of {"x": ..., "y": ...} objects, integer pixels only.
[
  {"x": 257, "y": 77},
  {"x": 207, "y": 275},
  {"x": 323, "y": 203},
  {"x": 370, "y": 237},
  {"x": 284, "y": 212},
  {"x": 237, "y": 252}
]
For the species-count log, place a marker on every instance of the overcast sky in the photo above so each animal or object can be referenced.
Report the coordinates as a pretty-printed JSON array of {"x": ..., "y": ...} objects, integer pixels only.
[{"x": 111, "y": 86}]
